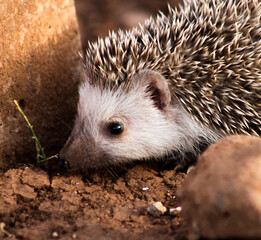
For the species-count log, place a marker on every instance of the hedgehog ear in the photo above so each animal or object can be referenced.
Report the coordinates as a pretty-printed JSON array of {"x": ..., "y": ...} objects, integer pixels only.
[{"x": 156, "y": 87}]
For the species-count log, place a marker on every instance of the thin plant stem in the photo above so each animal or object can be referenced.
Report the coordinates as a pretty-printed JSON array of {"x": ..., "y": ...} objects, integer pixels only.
[{"x": 41, "y": 157}]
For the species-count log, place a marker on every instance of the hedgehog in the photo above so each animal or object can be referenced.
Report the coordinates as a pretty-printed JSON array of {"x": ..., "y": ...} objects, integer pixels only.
[{"x": 175, "y": 83}]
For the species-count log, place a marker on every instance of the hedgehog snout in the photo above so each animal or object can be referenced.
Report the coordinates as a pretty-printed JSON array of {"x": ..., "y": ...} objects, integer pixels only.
[
  {"x": 81, "y": 153},
  {"x": 63, "y": 163}
]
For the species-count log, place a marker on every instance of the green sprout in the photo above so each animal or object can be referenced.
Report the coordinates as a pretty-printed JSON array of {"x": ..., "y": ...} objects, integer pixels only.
[{"x": 40, "y": 157}]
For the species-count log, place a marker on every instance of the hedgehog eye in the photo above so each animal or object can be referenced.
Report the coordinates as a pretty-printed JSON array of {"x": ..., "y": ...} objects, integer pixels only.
[{"x": 116, "y": 128}]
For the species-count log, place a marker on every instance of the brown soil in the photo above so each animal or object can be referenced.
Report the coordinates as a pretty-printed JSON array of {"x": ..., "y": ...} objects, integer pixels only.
[{"x": 107, "y": 204}]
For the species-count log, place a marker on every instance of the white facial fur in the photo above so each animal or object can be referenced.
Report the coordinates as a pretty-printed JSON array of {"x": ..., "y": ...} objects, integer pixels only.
[{"x": 149, "y": 132}]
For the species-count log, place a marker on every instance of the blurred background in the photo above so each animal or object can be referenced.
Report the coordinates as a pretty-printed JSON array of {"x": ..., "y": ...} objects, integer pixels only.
[{"x": 97, "y": 17}]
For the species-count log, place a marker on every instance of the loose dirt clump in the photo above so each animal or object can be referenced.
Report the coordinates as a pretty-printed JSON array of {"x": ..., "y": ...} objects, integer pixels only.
[{"x": 101, "y": 205}]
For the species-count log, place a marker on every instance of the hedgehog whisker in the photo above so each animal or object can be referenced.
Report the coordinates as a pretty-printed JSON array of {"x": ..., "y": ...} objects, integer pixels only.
[
  {"x": 112, "y": 172},
  {"x": 63, "y": 122}
]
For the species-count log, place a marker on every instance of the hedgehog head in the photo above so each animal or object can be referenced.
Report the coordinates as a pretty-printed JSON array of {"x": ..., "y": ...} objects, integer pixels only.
[{"x": 115, "y": 125}]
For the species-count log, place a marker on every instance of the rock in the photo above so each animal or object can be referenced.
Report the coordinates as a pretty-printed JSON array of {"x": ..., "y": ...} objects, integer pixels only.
[
  {"x": 40, "y": 68},
  {"x": 221, "y": 198},
  {"x": 156, "y": 209},
  {"x": 55, "y": 234},
  {"x": 175, "y": 211}
]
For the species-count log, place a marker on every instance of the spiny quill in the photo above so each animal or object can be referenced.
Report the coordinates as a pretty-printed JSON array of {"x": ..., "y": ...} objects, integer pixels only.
[{"x": 210, "y": 53}]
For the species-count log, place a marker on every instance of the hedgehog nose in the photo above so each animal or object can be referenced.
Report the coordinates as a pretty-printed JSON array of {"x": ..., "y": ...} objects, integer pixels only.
[{"x": 64, "y": 164}]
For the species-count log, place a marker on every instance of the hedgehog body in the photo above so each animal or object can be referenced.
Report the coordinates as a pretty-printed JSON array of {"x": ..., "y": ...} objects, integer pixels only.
[{"x": 174, "y": 83}]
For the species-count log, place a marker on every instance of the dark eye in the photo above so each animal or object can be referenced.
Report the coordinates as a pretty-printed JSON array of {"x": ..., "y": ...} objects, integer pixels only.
[{"x": 116, "y": 128}]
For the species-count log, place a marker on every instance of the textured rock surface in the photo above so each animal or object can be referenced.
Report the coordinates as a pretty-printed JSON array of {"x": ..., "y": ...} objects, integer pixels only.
[
  {"x": 39, "y": 67},
  {"x": 222, "y": 196}
]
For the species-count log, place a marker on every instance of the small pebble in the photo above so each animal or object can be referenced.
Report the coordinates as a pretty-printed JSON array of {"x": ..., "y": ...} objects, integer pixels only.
[
  {"x": 156, "y": 209},
  {"x": 175, "y": 211},
  {"x": 145, "y": 188},
  {"x": 55, "y": 234}
]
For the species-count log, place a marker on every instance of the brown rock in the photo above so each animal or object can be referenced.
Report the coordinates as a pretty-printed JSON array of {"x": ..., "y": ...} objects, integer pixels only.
[
  {"x": 221, "y": 198},
  {"x": 156, "y": 209},
  {"x": 39, "y": 67}
]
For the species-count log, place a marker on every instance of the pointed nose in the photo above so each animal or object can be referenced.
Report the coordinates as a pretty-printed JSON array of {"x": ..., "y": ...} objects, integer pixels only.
[{"x": 64, "y": 164}]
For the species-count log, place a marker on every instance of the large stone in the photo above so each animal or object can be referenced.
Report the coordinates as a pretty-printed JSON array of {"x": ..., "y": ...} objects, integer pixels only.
[
  {"x": 39, "y": 67},
  {"x": 221, "y": 198}
]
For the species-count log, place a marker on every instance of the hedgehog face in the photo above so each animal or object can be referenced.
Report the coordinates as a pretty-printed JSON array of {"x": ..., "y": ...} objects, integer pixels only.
[{"x": 114, "y": 125}]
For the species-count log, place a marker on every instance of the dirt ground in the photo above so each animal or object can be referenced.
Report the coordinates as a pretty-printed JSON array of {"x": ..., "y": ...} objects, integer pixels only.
[{"x": 106, "y": 204}]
